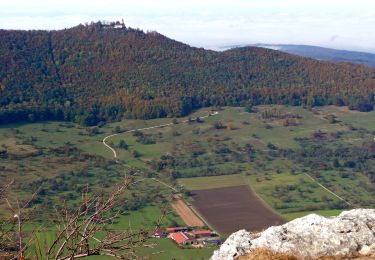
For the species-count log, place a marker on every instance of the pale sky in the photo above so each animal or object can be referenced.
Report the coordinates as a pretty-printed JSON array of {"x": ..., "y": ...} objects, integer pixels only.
[{"x": 342, "y": 24}]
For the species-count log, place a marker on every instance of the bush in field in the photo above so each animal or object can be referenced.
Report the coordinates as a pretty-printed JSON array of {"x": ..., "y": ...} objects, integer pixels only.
[
  {"x": 117, "y": 130},
  {"x": 271, "y": 146},
  {"x": 230, "y": 126},
  {"x": 92, "y": 130},
  {"x": 136, "y": 154},
  {"x": 249, "y": 107},
  {"x": 123, "y": 145},
  {"x": 145, "y": 139},
  {"x": 218, "y": 125}
]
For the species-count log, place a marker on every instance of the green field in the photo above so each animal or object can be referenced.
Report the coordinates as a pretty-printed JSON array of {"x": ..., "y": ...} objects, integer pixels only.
[
  {"x": 155, "y": 248},
  {"x": 201, "y": 183},
  {"x": 164, "y": 248},
  {"x": 167, "y": 249},
  {"x": 253, "y": 149},
  {"x": 146, "y": 218},
  {"x": 264, "y": 190},
  {"x": 276, "y": 173},
  {"x": 355, "y": 118}
]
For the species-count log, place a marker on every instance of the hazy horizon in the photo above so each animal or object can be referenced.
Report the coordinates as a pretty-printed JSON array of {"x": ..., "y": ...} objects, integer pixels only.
[{"x": 345, "y": 24}]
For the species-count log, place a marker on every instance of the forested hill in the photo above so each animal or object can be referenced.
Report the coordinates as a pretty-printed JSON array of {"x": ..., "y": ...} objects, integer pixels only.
[{"x": 98, "y": 73}]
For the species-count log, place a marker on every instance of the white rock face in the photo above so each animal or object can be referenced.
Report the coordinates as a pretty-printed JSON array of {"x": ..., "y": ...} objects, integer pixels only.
[
  {"x": 350, "y": 233},
  {"x": 236, "y": 244}
]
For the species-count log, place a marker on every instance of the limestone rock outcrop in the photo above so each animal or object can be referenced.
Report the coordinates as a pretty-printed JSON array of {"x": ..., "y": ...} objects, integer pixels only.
[{"x": 349, "y": 234}]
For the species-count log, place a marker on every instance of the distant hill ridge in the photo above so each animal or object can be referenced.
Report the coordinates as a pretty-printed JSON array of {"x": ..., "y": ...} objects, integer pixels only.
[
  {"x": 100, "y": 72},
  {"x": 328, "y": 54}
]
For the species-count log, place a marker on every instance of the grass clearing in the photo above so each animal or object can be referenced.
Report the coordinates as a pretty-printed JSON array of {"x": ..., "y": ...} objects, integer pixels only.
[
  {"x": 355, "y": 118},
  {"x": 203, "y": 183},
  {"x": 146, "y": 218}
]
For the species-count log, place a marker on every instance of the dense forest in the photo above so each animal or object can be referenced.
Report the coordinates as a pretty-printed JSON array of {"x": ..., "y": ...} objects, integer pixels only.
[{"x": 97, "y": 72}]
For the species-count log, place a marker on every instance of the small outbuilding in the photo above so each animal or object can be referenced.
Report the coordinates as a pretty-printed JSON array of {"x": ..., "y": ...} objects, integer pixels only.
[
  {"x": 212, "y": 242},
  {"x": 201, "y": 233},
  {"x": 176, "y": 229},
  {"x": 183, "y": 239},
  {"x": 159, "y": 233}
]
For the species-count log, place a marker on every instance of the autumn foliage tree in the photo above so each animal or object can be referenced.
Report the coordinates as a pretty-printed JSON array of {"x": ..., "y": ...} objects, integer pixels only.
[{"x": 93, "y": 73}]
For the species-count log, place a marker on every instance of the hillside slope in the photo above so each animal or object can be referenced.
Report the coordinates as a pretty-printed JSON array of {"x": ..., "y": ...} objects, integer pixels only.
[{"x": 97, "y": 72}]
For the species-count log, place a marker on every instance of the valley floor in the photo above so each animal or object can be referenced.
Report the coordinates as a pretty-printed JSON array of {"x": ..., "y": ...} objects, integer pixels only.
[{"x": 271, "y": 151}]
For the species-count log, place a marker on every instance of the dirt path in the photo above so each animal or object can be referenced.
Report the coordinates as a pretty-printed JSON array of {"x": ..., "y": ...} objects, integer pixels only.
[
  {"x": 186, "y": 214},
  {"x": 328, "y": 190},
  {"x": 165, "y": 184},
  {"x": 146, "y": 128},
  {"x": 109, "y": 147},
  {"x": 185, "y": 121},
  {"x": 321, "y": 185}
]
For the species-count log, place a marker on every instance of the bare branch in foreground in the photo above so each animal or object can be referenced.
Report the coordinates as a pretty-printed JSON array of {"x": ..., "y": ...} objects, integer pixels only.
[
  {"x": 81, "y": 231},
  {"x": 85, "y": 231}
]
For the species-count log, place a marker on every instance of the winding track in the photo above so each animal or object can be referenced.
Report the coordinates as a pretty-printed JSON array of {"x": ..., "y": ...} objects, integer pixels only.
[
  {"x": 185, "y": 121},
  {"x": 146, "y": 128},
  {"x": 109, "y": 147},
  {"x": 155, "y": 179}
]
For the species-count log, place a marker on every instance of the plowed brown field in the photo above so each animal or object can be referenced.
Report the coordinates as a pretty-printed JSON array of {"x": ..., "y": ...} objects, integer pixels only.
[{"x": 233, "y": 208}]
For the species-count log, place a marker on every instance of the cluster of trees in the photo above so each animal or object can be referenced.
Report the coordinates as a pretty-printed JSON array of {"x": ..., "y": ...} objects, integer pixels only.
[
  {"x": 86, "y": 171},
  {"x": 220, "y": 125},
  {"x": 278, "y": 113},
  {"x": 144, "y": 138},
  {"x": 218, "y": 158},
  {"x": 322, "y": 156},
  {"x": 93, "y": 73}
]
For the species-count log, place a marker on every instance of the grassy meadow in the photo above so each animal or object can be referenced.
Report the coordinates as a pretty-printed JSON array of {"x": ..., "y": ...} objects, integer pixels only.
[{"x": 271, "y": 154}]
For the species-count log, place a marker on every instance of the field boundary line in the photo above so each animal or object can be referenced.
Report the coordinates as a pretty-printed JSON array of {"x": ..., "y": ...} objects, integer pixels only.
[
  {"x": 199, "y": 215},
  {"x": 165, "y": 184},
  {"x": 325, "y": 188},
  {"x": 252, "y": 190},
  {"x": 189, "y": 217}
]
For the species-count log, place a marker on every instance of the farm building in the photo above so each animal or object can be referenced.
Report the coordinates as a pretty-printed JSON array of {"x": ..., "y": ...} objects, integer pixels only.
[
  {"x": 176, "y": 229},
  {"x": 182, "y": 238},
  {"x": 201, "y": 233},
  {"x": 211, "y": 242},
  {"x": 159, "y": 233}
]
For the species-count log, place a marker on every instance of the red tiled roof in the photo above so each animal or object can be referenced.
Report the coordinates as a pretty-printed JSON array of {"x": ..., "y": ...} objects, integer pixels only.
[
  {"x": 201, "y": 232},
  {"x": 179, "y": 237}
]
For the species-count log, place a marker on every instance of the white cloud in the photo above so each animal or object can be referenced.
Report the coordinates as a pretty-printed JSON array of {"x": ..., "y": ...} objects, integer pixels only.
[{"x": 212, "y": 22}]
